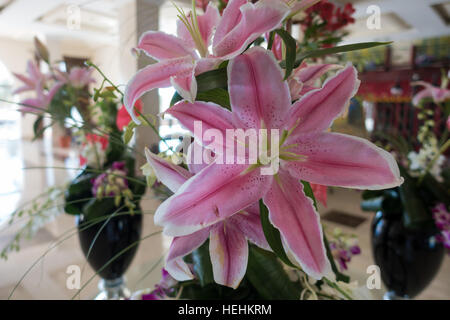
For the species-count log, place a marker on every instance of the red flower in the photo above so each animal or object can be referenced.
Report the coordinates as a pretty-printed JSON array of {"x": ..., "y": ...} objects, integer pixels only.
[
  {"x": 91, "y": 140},
  {"x": 123, "y": 117},
  {"x": 320, "y": 193}
]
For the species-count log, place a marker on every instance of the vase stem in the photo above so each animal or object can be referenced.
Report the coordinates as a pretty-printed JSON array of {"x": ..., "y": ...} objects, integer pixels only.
[
  {"x": 391, "y": 295},
  {"x": 114, "y": 289}
]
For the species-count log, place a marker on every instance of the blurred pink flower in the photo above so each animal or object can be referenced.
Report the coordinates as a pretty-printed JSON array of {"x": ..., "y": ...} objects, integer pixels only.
[
  {"x": 78, "y": 77},
  {"x": 436, "y": 93}
]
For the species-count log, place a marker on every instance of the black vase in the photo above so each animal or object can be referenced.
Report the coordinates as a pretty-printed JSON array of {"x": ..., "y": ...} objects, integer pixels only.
[
  {"x": 119, "y": 233},
  {"x": 408, "y": 259}
]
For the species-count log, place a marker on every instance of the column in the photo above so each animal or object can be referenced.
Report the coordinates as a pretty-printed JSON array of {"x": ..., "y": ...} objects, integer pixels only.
[{"x": 136, "y": 17}]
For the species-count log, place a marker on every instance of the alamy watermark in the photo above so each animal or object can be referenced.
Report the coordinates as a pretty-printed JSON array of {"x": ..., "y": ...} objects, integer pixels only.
[
  {"x": 73, "y": 17},
  {"x": 373, "y": 22},
  {"x": 259, "y": 148},
  {"x": 374, "y": 280},
  {"x": 73, "y": 281}
]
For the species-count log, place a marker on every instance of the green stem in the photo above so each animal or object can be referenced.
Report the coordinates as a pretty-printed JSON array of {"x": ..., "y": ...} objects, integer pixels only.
[
  {"x": 90, "y": 64},
  {"x": 154, "y": 130}
]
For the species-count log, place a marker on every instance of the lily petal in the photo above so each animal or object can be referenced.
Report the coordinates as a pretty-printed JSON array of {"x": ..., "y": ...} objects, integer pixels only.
[
  {"x": 171, "y": 175},
  {"x": 197, "y": 163},
  {"x": 316, "y": 110},
  {"x": 231, "y": 17},
  {"x": 425, "y": 93},
  {"x": 185, "y": 84},
  {"x": 310, "y": 73},
  {"x": 154, "y": 76},
  {"x": 335, "y": 159},
  {"x": 257, "y": 90},
  {"x": 307, "y": 76},
  {"x": 228, "y": 249},
  {"x": 207, "y": 114},
  {"x": 248, "y": 222},
  {"x": 180, "y": 247},
  {"x": 213, "y": 194},
  {"x": 161, "y": 46},
  {"x": 256, "y": 20},
  {"x": 291, "y": 212}
]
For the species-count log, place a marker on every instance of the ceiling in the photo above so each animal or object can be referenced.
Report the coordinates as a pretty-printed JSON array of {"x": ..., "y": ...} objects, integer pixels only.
[
  {"x": 400, "y": 20},
  {"x": 22, "y": 19}
]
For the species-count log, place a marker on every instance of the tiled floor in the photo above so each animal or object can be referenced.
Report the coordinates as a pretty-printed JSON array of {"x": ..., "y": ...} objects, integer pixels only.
[{"x": 47, "y": 278}]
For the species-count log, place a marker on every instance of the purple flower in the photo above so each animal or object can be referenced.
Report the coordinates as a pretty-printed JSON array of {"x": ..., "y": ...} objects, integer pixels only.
[
  {"x": 112, "y": 182},
  {"x": 355, "y": 249},
  {"x": 164, "y": 289},
  {"x": 442, "y": 219},
  {"x": 343, "y": 248}
]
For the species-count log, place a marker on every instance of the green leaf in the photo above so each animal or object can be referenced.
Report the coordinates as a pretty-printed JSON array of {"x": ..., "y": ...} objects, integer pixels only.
[
  {"x": 212, "y": 79},
  {"x": 219, "y": 96},
  {"x": 338, "y": 49},
  {"x": 271, "y": 38},
  {"x": 80, "y": 188},
  {"x": 273, "y": 235},
  {"x": 268, "y": 276},
  {"x": 97, "y": 208},
  {"x": 37, "y": 126},
  {"x": 41, "y": 50},
  {"x": 436, "y": 189},
  {"x": 309, "y": 192},
  {"x": 175, "y": 98},
  {"x": 415, "y": 213},
  {"x": 210, "y": 87},
  {"x": 202, "y": 264},
  {"x": 129, "y": 132},
  {"x": 291, "y": 47}
]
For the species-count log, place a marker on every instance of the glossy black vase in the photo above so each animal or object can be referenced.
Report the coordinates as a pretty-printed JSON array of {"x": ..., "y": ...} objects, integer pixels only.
[
  {"x": 408, "y": 260},
  {"x": 118, "y": 234}
]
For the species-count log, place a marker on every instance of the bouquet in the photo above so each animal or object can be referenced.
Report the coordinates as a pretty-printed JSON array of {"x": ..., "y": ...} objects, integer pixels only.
[
  {"x": 106, "y": 183},
  {"x": 239, "y": 203},
  {"x": 424, "y": 197}
]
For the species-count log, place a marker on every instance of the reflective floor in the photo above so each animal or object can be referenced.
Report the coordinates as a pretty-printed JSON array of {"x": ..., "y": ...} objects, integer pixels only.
[{"x": 38, "y": 270}]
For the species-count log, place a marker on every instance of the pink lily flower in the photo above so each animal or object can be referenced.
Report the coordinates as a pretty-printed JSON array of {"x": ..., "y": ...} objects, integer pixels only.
[
  {"x": 437, "y": 94},
  {"x": 78, "y": 77},
  {"x": 41, "y": 101},
  {"x": 181, "y": 58},
  {"x": 34, "y": 81},
  {"x": 228, "y": 246},
  {"x": 303, "y": 79},
  {"x": 260, "y": 99}
]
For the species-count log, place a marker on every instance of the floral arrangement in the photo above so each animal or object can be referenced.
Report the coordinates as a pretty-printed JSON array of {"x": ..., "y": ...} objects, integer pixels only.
[
  {"x": 106, "y": 183},
  {"x": 240, "y": 207},
  {"x": 324, "y": 23},
  {"x": 426, "y": 169}
]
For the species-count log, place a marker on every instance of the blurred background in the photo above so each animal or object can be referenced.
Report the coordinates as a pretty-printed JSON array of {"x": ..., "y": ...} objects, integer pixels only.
[{"x": 104, "y": 32}]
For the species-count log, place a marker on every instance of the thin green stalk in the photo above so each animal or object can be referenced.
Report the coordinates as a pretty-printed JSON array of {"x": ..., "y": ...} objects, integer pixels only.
[
  {"x": 91, "y": 64},
  {"x": 88, "y": 170},
  {"x": 81, "y": 227},
  {"x": 335, "y": 286},
  {"x": 155, "y": 130},
  {"x": 113, "y": 259},
  {"x": 152, "y": 268},
  {"x": 98, "y": 234}
]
